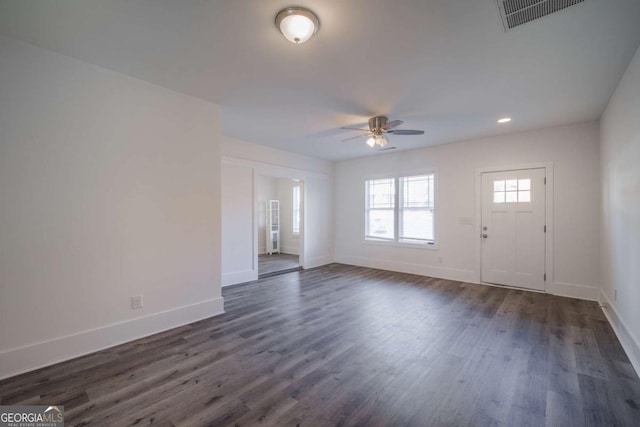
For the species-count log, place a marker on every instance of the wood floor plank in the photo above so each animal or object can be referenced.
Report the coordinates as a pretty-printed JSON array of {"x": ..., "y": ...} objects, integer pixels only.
[
  {"x": 345, "y": 345},
  {"x": 277, "y": 262}
]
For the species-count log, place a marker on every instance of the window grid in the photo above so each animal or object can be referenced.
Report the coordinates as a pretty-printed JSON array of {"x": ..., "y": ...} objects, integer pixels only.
[{"x": 512, "y": 191}]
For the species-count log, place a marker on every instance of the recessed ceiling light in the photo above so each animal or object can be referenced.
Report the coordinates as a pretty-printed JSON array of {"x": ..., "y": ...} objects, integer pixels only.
[
  {"x": 504, "y": 120},
  {"x": 297, "y": 24}
]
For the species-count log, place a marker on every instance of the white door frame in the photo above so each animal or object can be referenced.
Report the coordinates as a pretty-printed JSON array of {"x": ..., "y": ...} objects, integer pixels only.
[
  {"x": 276, "y": 171},
  {"x": 548, "y": 238},
  {"x": 278, "y": 174}
]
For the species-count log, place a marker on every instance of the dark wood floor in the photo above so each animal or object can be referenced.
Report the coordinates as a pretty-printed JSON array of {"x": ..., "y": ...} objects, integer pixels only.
[
  {"x": 343, "y": 345},
  {"x": 268, "y": 264}
]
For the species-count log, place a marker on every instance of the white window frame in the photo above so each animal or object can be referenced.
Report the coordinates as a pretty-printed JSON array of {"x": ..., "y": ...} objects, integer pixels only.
[
  {"x": 401, "y": 209},
  {"x": 397, "y": 209},
  {"x": 367, "y": 209},
  {"x": 295, "y": 210}
]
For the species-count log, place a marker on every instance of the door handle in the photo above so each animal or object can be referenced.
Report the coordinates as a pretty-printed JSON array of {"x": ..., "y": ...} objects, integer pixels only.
[{"x": 484, "y": 236}]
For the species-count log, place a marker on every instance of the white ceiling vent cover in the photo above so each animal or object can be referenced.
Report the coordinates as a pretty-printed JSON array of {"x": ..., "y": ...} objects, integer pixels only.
[{"x": 518, "y": 12}]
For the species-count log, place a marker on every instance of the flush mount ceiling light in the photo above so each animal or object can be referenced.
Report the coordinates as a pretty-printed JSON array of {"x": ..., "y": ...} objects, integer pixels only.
[
  {"x": 297, "y": 24},
  {"x": 504, "y": 120}
]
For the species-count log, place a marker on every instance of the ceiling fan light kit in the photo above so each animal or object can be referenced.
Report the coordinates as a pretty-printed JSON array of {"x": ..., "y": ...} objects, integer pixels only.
[
  {"x": 297, "y": 24},
  {"x": 378, "y": 127},
  {"x": 377, "y": 141}
]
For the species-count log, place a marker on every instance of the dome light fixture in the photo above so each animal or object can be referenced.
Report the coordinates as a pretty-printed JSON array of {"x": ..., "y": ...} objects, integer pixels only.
[
  {"x": 297, "y": 24},
  {"x": 504, "y": 120}
]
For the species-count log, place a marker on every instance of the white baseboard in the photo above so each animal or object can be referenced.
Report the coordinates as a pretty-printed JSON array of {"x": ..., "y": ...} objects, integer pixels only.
[
  {"x": 290, "y": 250},
  {"x": 571, "y": 290},
  {"x": 239, "y": 277},
  {"x": 312, "y": 262},
  {"x": 283, "y": 250},
  {"x": 470, "y": 276},
  {"x": 24, "y": 359},
  {"x": 629, "y": 342},
  {"x": 405, "y": 267}
]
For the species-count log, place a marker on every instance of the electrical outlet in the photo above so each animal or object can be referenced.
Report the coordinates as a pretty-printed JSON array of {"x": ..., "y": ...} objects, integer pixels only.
[{"x": 136, "y": 302}]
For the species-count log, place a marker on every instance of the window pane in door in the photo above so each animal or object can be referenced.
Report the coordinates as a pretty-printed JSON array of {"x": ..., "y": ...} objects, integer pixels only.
[
  {"x": 512, "y": 185},
  {"x": 524, "y": 184},
  {"x": 524, "y": 196}
]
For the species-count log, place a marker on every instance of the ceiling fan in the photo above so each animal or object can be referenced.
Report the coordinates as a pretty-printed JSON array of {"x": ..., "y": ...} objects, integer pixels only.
[{"x": 379, "y": 126}]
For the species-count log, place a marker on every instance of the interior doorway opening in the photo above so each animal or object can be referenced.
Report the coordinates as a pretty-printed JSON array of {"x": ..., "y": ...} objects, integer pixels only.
[{"x": 280, "y": 225}]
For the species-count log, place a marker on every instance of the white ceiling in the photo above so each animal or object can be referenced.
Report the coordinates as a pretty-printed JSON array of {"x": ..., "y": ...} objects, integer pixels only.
[{"x": 445, "y": 66}]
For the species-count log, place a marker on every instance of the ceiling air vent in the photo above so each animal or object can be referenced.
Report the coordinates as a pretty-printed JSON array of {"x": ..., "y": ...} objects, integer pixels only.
[{"x": 518, "y": 12}]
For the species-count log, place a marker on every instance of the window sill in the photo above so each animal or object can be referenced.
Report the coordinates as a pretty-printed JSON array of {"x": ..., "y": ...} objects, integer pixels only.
[{"x": 426, "y": 246}]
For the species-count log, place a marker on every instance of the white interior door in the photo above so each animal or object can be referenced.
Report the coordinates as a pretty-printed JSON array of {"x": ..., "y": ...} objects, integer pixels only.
[{"x": 513, "y": 228}]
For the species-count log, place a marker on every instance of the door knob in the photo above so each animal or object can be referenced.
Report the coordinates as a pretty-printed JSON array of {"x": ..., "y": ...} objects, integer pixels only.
[{"x": 484, "y": 236}]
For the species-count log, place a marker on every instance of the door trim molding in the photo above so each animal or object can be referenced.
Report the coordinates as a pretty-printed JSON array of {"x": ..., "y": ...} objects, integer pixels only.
[{"x": 548, "y": 215}]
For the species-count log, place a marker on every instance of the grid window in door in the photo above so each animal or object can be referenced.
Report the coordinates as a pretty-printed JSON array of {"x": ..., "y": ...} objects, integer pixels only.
[{"x": 512, "y": 191}]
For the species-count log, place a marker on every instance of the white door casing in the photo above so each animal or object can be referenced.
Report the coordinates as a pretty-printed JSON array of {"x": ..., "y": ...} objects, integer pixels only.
[{"x": 513, "y": 228}]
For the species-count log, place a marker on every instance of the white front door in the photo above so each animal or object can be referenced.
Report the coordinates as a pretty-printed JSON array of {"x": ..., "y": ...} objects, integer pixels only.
[{"x": 513, "y": 228}]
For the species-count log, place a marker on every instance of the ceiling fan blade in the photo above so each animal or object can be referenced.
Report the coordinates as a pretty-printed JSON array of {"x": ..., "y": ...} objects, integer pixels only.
[
  {"x": 356, "y": 137},
  {"x": 407, "y": 132},
  {"x": 366, "y": 130},
  {"x": 392, "y": 124}
]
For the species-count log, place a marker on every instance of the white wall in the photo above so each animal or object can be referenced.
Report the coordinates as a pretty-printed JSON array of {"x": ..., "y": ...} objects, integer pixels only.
[
  {"x": 574, "y": 151},
  {"x": 620, "y": 159},
  {"x": 110, "y": 188},
  {"x": 252, "y": 160},
  {"x": 237, "y": 211}
]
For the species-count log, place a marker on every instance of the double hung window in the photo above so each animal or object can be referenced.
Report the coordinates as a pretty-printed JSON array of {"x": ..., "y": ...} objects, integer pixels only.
[{"x": 401, "y": 209}]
